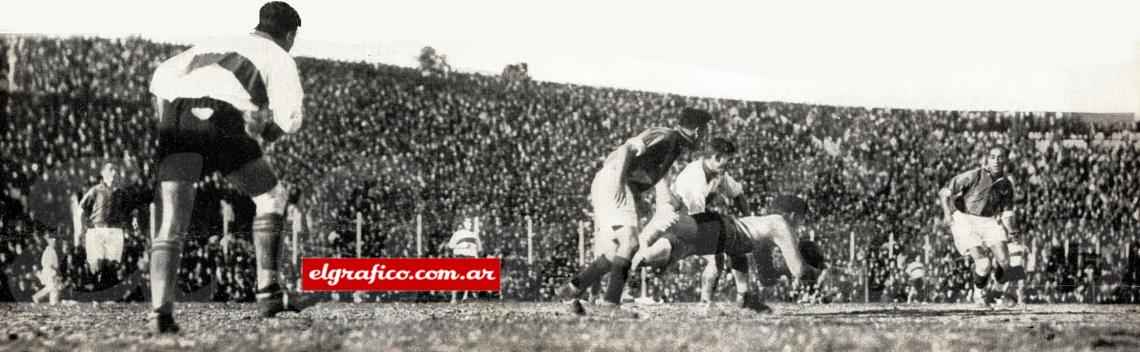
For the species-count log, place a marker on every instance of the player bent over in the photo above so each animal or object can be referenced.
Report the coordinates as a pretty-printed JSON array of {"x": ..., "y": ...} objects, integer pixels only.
[
  {"x": 712, "y": 234},
  {"x": 217, "y": 103},
  {"x": 972, "y": 203},
  {"x": 633, "y": 168}
]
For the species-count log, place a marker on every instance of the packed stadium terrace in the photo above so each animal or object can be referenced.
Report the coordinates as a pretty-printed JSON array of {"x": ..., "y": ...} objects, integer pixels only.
[{"x": 391, "y": 144}]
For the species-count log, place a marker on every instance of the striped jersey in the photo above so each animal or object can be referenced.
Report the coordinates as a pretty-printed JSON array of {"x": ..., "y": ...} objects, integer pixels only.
[
  {"x": 250, "y": 73},
  {"x": 654, "y": 152},
  {"x": 465, "y": 242}
]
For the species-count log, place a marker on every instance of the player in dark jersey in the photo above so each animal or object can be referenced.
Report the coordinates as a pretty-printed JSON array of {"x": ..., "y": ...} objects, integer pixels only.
[
  {"x": 636, "y": 166},
  {"x": 218, "y": 103},
  {"x": 978, "y": 207},
  {"x": 102, "y": 207},
  {"x": 709, "y": 233}
]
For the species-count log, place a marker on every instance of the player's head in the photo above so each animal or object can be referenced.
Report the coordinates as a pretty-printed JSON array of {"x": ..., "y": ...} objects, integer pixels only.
[
  {"x": 812, "y": 254},
  {"x": 722, "y": 152},
  {"x": 694, "y": 123},
  {"x": 791, "y": 207},
  {"x": 280, "y": 21},
  {"x": 467, "y": 224},
  {"x": 996, "y": 159},
  {"x": 109, "y": 172}
]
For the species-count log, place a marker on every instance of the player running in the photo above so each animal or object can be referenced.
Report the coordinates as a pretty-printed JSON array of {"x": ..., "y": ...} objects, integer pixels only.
[
  {"x": 217, "y": 104},
  {"x": 633, "y": 168},
  {"x": 972, "y": 203},
  {"x": 710, "y": 234}
]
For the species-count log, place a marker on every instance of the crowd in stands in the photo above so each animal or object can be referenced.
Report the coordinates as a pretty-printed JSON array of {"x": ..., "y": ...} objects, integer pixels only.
[{"x": 408, "y": 153}]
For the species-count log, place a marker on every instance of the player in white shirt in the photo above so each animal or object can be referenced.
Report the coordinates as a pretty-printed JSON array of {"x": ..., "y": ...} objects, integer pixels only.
[
  {"x": 218, "y": 103},
  {"x": 711, "y": 235},
  {"x": 703, "y": 179},
  {"x": 464, "y": 243}
]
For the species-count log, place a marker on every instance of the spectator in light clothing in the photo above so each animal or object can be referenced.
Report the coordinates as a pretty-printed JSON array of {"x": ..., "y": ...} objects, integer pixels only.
[{"x": 464, "y": 243}]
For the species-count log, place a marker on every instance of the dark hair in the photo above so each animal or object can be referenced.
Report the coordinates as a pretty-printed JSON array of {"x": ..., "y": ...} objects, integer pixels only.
[
  {"x": 694, "y": 118},
  {"x": 722, "y": 147},
  {"x": 278, "y": 18}
]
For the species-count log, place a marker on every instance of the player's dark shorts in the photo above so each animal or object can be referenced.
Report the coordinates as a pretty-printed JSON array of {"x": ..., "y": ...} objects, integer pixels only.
[
  {"x": 729, "y": 239},
  {"x": 1012, "y": 273},
  {"x": 220, "y": 139}
]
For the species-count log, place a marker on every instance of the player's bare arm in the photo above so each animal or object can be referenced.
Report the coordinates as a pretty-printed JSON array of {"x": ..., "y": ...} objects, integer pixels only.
[
  {"x": 785, "y": 238},
  {"x": 946, "y": 199}
]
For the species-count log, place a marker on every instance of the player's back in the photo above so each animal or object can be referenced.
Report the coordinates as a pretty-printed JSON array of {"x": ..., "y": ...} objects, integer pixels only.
[
  {"x": 654, "y": 152},
  {"x": 759, "y": 229},
  {"x": 248, "y": 72}
]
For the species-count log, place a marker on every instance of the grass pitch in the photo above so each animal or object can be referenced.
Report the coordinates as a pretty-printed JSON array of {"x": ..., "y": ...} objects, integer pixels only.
[{"x": 511, "y": 326}]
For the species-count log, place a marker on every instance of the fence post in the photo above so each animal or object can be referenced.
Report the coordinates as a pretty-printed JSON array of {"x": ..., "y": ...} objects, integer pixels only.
[
  {"x": 529, "y": 240},
  {"x": 581, "y": 244},
  {"x": 296, "y": 236},
  {"x": 851, "y": 243},
  {"x": 419, "y": 235},
  {"x": 153, "y": 222},
  {"x": 359, "y": 232}
]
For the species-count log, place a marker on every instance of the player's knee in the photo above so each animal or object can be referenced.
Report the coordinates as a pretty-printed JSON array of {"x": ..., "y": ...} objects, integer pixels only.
[
  {"x": 982, "y": 266},
  {"x": 271, "y": 202}
]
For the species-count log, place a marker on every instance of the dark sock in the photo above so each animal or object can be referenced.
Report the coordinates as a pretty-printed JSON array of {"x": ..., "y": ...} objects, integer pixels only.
[
  {"x": 592, "y": 274},
  {"x": 619, "y": 271},
  {"x": 980, "y": 281}
]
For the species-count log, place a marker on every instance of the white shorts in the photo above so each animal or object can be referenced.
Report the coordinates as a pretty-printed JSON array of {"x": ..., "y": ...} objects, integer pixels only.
[
  {"x": 104, "y": 243},
  {"x": 972, "y": 231},
  {"x": 614, "y": 207}
]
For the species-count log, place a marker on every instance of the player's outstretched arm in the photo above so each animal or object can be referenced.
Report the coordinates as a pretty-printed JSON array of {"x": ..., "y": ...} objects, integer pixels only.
[{"x": 786, "y": 239}]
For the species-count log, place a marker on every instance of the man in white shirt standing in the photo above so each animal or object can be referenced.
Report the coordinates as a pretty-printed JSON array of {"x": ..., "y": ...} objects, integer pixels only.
[{"x": 218, "y": 104}]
